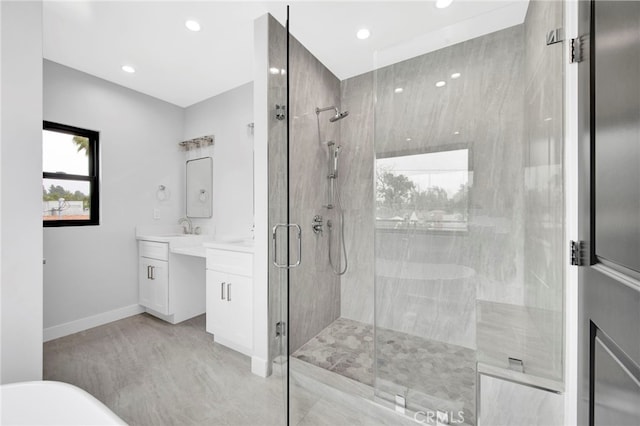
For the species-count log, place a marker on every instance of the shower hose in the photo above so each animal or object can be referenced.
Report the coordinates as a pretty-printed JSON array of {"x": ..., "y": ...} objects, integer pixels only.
[{"x": 337, "y": 270}]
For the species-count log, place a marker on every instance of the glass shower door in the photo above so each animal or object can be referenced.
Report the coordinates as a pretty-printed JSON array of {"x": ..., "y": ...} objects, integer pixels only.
[{"x": 278, "y": 189}]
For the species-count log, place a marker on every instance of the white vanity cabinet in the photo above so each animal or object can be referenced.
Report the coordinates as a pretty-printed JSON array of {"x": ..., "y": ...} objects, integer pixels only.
[
  {"x": 230, "y": 297},
  {"x": 153, "y": 276},
  {"x": 171, "y": 279}
]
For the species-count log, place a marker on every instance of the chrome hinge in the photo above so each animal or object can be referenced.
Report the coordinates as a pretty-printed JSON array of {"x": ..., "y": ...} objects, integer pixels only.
[
  {"x": 401, "y": 403},
  {"x": 555, "y": 36},
  {"x": 516, "y": 364},
  {"x": 281, "y": 331},
  {"x": 577, "y": 253},
  {"x": 576, "y": 50}
]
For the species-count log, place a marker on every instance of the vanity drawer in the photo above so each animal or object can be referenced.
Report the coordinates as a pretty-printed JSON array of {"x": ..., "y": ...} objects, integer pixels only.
[
  {"x": 232, "y": 262},
  {"x": 153, "y": 250}
]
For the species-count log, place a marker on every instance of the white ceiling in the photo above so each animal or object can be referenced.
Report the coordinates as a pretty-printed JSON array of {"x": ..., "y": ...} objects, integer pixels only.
[{"x": 183, "y": 67}]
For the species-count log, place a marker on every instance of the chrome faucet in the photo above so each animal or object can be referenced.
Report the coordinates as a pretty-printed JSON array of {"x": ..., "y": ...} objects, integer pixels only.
[{"x": 187, "y": 229}]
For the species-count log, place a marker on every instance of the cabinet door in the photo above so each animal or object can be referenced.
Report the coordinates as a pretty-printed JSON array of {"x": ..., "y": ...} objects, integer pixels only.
[
  {"x": 153, "y": 280},
  {"x": 217, "y": 306},
  {"x": 240, "y": 321}
]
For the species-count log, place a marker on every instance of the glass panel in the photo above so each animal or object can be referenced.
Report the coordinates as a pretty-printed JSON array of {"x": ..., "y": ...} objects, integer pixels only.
[
  {"x": 65, "y": 153},
  {"x": 426, "y": 227},
  {"x": 479, "y": 280},
  {"x": 433, "y": 239},
  {"x": 66, "y": 199},
  {"x": 277, "y": 152}
]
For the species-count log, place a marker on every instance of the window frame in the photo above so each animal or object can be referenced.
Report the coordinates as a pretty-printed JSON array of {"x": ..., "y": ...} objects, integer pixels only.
[
  {"x": 425, "y": 149},
  {"x": 91, "y": 177}
]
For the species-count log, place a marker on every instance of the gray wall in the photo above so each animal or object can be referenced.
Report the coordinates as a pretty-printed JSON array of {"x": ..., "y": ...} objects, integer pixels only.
[
  {"x": 226, "y": 116},
  {"x": 91, "y": 270},
  {"x": 314, "y": 298},
  {"x": 139, "y": 138},
  {"x": 485, "y": 106}
]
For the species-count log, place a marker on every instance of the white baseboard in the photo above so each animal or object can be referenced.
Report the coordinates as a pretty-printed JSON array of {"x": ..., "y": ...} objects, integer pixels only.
[
  {"x": 82, "y": 324},
  {"x": 260, "y": 367}
]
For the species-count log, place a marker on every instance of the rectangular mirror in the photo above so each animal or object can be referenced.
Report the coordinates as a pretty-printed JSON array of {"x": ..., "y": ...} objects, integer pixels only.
[{"x": 199, "y": 186}]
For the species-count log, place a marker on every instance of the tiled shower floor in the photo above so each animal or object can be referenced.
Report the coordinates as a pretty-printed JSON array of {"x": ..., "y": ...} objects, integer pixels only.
[{"x": 431, "y": 374}]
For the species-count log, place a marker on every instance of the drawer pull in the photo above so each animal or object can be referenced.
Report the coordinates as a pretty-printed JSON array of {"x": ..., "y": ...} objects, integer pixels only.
[
  {"x": 222, "y": 290},
  {"x": 229, "y": 292}
]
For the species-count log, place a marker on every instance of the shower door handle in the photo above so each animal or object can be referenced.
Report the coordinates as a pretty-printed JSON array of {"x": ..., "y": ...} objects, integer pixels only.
[{"x": 274, "y": 234}]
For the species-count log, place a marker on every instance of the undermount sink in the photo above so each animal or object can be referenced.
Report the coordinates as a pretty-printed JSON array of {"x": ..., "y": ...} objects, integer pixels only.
[
  {"x": 233, "y": 241},
  {"x": 234, "y": 244}
]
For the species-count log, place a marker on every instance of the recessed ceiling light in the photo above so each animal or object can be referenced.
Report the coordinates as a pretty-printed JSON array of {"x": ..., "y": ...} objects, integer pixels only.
[
  {"x": 128, "y": 68},
  {"x": 441, "y": 84},
  {"x": 399, "y": 90},
  {"x": 274, "y": 70},
  {"x": 192, "y": 25},
  {"x": 455, "y": 75},
  {"x": 363, "y": 33},
  {"x": 408, "y": 139},
  {"x": 441, "y": 4},
  {"x": 456, "y": 132}
]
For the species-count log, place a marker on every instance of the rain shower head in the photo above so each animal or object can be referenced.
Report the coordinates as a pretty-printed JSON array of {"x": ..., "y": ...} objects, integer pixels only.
[{"x": 338, "y": 116}]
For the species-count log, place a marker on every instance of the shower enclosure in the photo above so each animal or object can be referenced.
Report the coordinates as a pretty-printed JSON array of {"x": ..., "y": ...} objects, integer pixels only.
[{"x": 450, "y": 205}]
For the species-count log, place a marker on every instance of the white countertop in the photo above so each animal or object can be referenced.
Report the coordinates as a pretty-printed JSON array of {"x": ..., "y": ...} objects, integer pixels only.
[
  {"x": 181, "y": 239},
  {"x": 194, "y": 245}
]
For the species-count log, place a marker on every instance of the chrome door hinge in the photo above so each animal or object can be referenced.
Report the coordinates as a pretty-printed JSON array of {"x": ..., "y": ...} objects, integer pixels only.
[
  {"x": 555, "y": 36},
  {"x": 576, "y": 50},
  {"x": 281, "y": 329},
  {"x": 577, "y": 253}
]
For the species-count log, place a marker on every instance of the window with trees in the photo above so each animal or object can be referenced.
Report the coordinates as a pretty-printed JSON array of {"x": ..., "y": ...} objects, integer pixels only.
[
  {"x": 70, "y": 195},
  {"x": 424, "y": 191}
]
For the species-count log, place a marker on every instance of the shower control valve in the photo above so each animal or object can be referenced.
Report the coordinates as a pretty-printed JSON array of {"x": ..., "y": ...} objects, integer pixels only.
[{"x": 317, "y": 224}]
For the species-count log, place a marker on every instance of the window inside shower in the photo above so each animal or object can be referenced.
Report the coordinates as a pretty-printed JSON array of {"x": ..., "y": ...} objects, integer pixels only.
[{"x": 426, "y": 191}]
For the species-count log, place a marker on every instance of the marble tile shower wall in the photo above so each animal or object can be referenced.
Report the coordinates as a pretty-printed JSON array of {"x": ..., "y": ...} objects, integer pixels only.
[
  {"x": 314, "y": 297},
  {"x": 428, "y": 283},
  {"x": 357, "y": 188}
]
